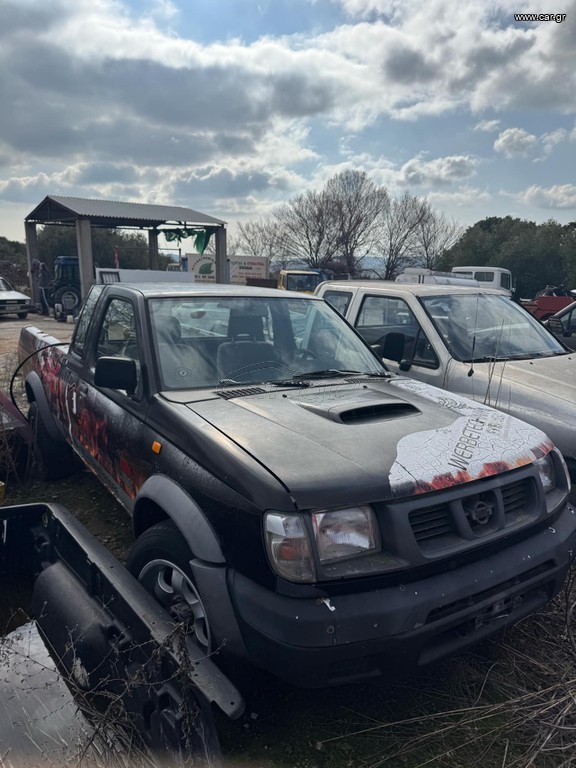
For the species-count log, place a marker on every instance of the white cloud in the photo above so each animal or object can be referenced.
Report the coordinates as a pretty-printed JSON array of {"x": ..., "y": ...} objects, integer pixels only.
[
  {"x": 464, "y": 197},
  {"x": 559, "y": 196},
  {"x": 438, "y": 172},
  {"x": 515, "y": 142},
  {"x": 552, "y": 139},
  {"x": 487, "y": 125}
]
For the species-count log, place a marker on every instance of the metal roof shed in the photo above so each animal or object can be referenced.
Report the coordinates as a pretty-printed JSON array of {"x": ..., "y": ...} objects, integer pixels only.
[{"x": 85, "y": 214}]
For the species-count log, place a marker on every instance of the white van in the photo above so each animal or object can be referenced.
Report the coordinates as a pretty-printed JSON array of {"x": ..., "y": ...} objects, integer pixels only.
[
  {"x": 433, "y": 277},
  {"x": 487, "y": 277}
]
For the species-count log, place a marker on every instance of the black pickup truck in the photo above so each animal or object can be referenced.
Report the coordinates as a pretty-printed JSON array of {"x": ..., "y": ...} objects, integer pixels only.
[{"x": 298, "y": 505}]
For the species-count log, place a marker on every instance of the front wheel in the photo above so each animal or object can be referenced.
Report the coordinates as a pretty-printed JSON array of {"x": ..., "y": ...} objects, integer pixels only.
[
  {"x": 22, "y": 315},
  {"x": 160, "y": 560}
]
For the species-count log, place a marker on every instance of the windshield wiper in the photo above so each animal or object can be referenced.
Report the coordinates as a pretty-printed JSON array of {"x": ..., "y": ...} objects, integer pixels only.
[
  {"x": 487, "y": 359},
  {"x": 304, "y": 379},
  {"x": 232, "y": 382},
  {"x": 325, "y": 373},
  {"x": 294, "y": 382},
  {"x": 329, "y": 373}
]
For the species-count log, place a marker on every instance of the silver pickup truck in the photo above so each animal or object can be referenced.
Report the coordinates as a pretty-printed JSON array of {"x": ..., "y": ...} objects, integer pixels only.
[{"x": 475, "y": 342}]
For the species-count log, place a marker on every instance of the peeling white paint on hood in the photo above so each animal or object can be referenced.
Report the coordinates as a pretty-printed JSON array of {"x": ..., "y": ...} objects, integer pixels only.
[{"x": 481, "y": 443}]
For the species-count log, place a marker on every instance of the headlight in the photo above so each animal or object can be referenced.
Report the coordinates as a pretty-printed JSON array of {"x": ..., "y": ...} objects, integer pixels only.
[
  {"x": 289, "y": 547},
  {"x": 339, "y": 535},
  {"x": 547, "y": 472},
  {"x": 345, "y": 533}
]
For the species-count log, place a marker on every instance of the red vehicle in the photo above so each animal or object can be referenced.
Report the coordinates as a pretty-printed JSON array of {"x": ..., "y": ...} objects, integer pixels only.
[{"x": 548, "y": 301}]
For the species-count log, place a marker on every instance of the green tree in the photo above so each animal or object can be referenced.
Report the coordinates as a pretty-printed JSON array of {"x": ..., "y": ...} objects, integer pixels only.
[
  {"x": 12, "y": 251},
  {"x": 132, "y": 247},
  {"x": 14, "y": 263},
  {"x": 536, "y": 254}
]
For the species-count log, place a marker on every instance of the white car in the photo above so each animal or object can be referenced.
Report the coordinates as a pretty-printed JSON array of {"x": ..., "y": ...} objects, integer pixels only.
[
  {"x": 476, "y": 342},
  {"x": 13, "y": 302}
]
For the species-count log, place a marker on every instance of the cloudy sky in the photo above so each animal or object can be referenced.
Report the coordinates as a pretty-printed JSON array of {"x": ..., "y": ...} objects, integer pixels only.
[{"x": 233, "y": 106}]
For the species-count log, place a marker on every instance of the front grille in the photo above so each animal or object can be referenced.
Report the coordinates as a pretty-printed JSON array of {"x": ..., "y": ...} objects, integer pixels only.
[
  {"x": 431, "y": 523},
  {"x": 472, "y": 513},
  {"x": 515, "y": 498}
]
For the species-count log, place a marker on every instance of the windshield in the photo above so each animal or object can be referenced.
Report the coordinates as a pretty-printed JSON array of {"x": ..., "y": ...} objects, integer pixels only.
[
  {"x": 216, "y": 341},
  {"x": 5, "y": 285},
  {"x": 302, "y": 282},
  {"x": 482, "y": 326}
]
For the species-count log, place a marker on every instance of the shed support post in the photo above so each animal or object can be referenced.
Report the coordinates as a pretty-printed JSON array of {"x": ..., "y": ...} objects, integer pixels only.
[
  {"x": 222, "y": 271},
  {"x": 153, "y": 261},
  {"x": 85, "y": 259},
  {"x": 32, "y": 253}
]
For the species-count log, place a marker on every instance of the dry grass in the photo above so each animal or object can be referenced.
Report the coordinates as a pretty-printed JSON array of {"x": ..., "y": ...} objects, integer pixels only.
[
  {"x": 69, "y": 727},
  {"x": 12, "y": 458},
  {"x": 509, "y": 704}
]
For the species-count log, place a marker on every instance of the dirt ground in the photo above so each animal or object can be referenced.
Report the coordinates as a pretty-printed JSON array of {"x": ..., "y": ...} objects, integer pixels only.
[{"x": 10, "y": 328}]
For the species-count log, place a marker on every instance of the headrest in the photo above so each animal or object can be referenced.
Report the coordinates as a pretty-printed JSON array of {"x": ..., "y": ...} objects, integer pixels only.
[
  {"x": 246, "y": 326},
  {"x": 168, "y": 328}
]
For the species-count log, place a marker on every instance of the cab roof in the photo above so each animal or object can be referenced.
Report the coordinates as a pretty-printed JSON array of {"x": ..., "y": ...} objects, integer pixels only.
[
  {"x": 150, "y": 290},
  {"x": 417, "y": 289}
]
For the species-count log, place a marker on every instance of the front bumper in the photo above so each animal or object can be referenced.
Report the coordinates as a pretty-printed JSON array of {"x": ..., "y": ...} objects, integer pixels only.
[
  {"x": 15, "y": 308},
  {"x": 321, "y": 642}
]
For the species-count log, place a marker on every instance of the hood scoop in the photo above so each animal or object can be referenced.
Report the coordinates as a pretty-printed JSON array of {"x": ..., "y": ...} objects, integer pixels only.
[{"x": 363, "y": 412}]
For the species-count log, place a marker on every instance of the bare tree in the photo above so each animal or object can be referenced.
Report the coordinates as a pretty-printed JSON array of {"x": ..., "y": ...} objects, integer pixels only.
[
  {"x": 398, "y": 237},
  {"x": 356, "y": 205},
  {"x": 305, "y": 227},
  {"x": 262, "y": 238},
  {"x": 434, "y": 235}
]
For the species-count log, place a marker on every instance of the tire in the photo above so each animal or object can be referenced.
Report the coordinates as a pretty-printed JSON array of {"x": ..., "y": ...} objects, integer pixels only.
[
  {"x": 51, "y": 459},
  {"x": 69, "y": 295},
  {"x": 160, "y": 560},
  {"x": 22, "y": 315}
]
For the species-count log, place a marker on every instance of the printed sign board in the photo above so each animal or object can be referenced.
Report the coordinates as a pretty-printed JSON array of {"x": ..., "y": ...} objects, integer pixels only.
[{"x": 204, "y": 267}]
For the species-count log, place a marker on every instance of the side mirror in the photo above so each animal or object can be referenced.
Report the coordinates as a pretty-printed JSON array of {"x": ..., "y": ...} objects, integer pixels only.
[
  {"x": 405, "y": 365},
  {"x": 555, "y": 325},
  {"x": 116, "y": 373},
  {"x": 393, "y": 344}
]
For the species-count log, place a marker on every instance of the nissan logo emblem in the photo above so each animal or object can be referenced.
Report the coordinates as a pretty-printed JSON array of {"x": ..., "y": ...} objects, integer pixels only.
[{"x": 480, "y": 512}]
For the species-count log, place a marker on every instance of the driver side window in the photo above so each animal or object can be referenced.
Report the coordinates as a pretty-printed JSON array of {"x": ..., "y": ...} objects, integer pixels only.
[
  {"x": 117, "y": 336},
  {"x": 569, "y": 321},
  {"x": 390, "y": 323}
]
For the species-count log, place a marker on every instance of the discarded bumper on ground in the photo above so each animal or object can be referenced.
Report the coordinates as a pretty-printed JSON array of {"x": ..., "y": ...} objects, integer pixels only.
[{"x": 140, "y": 678}]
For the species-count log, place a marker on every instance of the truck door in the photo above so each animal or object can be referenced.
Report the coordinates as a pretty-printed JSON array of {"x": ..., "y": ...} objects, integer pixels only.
[
  {"x": 388, "y": 321},
  {"x": 110, "y": 423}
]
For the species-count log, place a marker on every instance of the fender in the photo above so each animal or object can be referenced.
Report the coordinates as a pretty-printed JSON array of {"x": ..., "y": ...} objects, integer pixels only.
[
  {"x": 208, "y": 563},
  {"x": 184, "y": 513},
  {"x": 35, "y": 392}
]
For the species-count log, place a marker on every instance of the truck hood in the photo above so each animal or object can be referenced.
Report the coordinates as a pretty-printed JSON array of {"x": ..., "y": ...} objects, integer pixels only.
[
  {"x": 541, "y": 391},
  {"x": 347, "y": 443},
  {"x": 552, "y": 377}
]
